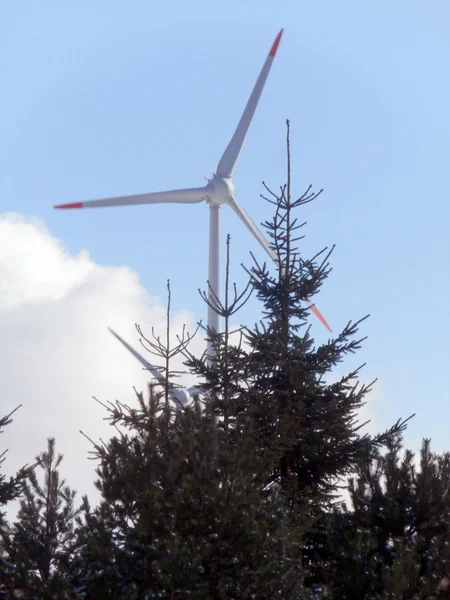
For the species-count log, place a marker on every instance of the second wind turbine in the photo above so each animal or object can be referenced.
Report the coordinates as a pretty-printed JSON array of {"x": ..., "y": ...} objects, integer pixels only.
[{"x": 218, "y": 191}]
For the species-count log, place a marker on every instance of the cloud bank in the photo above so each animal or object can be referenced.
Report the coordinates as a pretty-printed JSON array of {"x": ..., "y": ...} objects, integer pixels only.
[{"x": 56, "y": 352}]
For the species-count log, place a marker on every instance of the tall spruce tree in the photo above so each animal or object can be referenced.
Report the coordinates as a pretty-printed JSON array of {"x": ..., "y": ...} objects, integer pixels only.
[
  {"x": 306, "y": 424},
  {"x": 41, "y": 542}
]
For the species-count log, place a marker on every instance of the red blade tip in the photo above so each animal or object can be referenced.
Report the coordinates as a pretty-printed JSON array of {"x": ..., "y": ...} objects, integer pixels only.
[
  {"x": 321, "y": 318},
  {"x": 274, "y": 48},
  {"x": 73, "y": 205}
]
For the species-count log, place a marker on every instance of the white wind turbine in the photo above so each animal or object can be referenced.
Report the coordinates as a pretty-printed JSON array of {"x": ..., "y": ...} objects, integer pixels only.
[{"x": 218, "y": 191}]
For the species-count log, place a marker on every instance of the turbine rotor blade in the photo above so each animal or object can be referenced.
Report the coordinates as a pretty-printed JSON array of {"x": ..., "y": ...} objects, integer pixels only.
[
  {"x": 153, "y": 370},
  {"x": 186, "y": 196},
  {"x": 319, "y": 315},
  {"x": 270, "y": 251},
  {"x": 182, "y": 396},
  {"x": 253, "y": 228},
  {"x": 231, "y": 154}
]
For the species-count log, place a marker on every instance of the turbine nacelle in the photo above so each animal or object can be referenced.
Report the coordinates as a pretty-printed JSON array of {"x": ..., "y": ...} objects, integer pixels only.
[
  {"x": 221, "y": 191},
  {"x": 183, "y": 396}
]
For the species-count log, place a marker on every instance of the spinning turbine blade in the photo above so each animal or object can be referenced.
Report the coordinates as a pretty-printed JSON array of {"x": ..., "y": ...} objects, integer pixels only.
[
  {"x": 319, "y": 315},
  {"x": 231, "y": 154},
  {"x": 186, "y": 196},
  {"x": 153, "y": 370},
  {"x": 270, "y": 251},
  {"x": 251, "y": 226},
  {"x": 182, "y": 396}
]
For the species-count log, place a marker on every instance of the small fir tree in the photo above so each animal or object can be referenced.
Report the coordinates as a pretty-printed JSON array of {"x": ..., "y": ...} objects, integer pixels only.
[
  {"x": 10, "y": 490},
  {"x": 394, "y": 540},
  {"x": 41, "y": 542}
]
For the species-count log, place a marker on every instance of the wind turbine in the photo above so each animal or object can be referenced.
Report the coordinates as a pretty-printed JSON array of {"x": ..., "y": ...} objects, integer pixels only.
[
  {"x": 219, "y": 190},
  {"x": 181, "y": 395}
]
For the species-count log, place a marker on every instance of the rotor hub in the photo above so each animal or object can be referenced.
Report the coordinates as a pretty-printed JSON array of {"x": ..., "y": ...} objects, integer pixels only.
[{"x": 220, "y": 190}]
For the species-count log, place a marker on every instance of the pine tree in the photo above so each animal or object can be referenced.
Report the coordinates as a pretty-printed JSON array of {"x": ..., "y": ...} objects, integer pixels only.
[
  {"x": 10, "y": 490},
  {"x": 41, "y": 542},
  {"x": 394, "y": 540},
  {"x": 305, "y": 426}
]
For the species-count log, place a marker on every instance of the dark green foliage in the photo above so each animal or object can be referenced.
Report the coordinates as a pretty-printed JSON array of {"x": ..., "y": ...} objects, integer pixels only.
[
  {"x": 394, "y": 542},
  {"x": 10, "y": 489},
  {"x": 183, "y": 514}
]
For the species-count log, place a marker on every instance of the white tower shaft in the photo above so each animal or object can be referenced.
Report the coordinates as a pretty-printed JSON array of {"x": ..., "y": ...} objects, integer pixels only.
[{"x": 213, "y": 271}]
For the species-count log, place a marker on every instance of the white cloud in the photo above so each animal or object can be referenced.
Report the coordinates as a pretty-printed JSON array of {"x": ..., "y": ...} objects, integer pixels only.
[{"x": 56, "y": 352}]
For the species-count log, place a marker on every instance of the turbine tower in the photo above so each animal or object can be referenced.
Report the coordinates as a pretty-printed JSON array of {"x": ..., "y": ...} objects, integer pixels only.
[{"x": 218, "y": 191}]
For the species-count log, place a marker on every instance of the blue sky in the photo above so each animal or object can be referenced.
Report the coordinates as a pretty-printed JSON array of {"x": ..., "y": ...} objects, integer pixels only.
[{"x": 108, "y": 98}]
